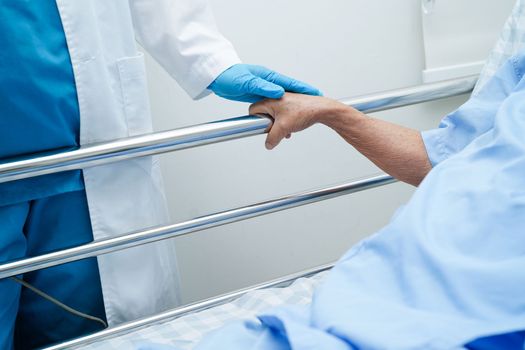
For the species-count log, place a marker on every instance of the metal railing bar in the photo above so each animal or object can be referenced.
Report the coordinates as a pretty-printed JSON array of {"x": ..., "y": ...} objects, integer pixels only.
[
  {"x": 155, "y": 234},
  {"x": 134, "y": 147},
  {"x": 205, "y": 134},
  {"x": 409, "y": 96},
  {"x": 193, "y": 136},
  {"x": 184, "y": 310}
]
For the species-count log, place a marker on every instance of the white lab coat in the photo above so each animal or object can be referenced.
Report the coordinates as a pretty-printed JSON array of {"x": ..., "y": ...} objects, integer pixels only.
[{"x": 112, "y": 95}]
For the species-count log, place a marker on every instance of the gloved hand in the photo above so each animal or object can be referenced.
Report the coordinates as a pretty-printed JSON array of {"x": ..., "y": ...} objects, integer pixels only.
[{"x": 249, "y": 83}]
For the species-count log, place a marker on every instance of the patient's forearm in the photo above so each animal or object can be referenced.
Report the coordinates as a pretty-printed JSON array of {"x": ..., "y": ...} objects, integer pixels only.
[{"x": 397, "y": 150}]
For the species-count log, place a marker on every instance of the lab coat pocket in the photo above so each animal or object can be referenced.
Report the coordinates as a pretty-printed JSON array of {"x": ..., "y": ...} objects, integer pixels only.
[{"x": 135, "y": 100}]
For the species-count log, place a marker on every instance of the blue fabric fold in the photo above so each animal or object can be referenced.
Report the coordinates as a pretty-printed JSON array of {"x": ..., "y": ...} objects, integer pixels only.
[{"x": 448, "y": 272}]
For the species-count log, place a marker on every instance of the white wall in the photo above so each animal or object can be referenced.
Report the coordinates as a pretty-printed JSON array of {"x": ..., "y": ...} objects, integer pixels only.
[
  {"x": 449, "y": 55},
  {"x": 346, "y": 48}
]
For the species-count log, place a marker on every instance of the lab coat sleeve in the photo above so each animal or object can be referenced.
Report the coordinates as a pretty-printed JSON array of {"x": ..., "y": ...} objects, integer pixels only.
[
  {"x": 475, "y": 117},
  {"x": 183, "y": 37}
]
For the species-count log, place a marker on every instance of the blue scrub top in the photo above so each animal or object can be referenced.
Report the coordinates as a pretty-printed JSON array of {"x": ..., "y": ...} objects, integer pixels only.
[{"x": 39, "y": 109}]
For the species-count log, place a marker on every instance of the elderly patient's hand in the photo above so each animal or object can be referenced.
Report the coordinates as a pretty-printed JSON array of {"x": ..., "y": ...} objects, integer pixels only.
[{"x": 293, "y": 113}]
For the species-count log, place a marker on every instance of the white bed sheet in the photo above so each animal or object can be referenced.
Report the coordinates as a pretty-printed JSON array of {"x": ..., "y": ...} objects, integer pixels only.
[{"x": 186, "y": 331}]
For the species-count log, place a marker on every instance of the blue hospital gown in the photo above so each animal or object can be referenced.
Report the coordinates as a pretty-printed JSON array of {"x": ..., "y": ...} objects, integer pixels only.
[{"x": 448, "y": 272}]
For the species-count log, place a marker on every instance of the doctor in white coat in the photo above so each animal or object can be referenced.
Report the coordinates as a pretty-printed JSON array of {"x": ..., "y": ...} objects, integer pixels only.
[{"x": 109, "y": 86}]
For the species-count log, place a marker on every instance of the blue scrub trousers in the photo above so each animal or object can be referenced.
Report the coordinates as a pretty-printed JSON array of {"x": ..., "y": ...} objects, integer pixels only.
[{"x": 32, "y": 228}]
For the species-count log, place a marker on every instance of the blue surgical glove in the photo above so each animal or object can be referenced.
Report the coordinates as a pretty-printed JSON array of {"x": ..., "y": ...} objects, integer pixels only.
[{"x": 249, "y": 83}]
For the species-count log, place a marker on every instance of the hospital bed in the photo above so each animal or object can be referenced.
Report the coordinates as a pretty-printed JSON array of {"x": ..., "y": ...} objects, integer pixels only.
[{"x": 186, "y": 325}]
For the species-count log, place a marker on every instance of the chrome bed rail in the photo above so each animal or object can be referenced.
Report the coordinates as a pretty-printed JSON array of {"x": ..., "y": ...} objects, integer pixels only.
[
  {"x": 155, "y": 234},
  {"x": 128, "y": 327},
  {"x": 188, "y": 137},
  {"x": 209, "y": 133},
  {"x": 191, "y": 137}
]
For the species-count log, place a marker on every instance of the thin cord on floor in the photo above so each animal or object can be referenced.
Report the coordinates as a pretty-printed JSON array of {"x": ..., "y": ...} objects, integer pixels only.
[{"x": 58, "y": 303}]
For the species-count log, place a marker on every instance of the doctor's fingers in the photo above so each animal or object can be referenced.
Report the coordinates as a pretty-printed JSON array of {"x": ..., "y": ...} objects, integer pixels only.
[
  {"x": 293, "y": 85},
  {"x": 242, "y": 98},
  {"x": 260, "y": 87},
  {"x": 287, "y": 83}
]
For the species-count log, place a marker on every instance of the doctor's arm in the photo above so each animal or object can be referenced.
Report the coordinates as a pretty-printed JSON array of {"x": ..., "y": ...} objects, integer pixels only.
[
  {"x": 397, "y": 150},
  {"x": 183, "y": 37}
]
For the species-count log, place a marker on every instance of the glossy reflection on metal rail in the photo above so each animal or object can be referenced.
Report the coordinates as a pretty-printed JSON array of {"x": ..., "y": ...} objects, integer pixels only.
[
  {"x": 133, "y": 147},
  {"x": 164, "y": 232},
  {"x": 223, "y": 130}
]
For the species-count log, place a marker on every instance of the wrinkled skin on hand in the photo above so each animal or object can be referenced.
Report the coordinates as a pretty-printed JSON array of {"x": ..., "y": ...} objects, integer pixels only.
[{"x": 294, "y": 113}]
